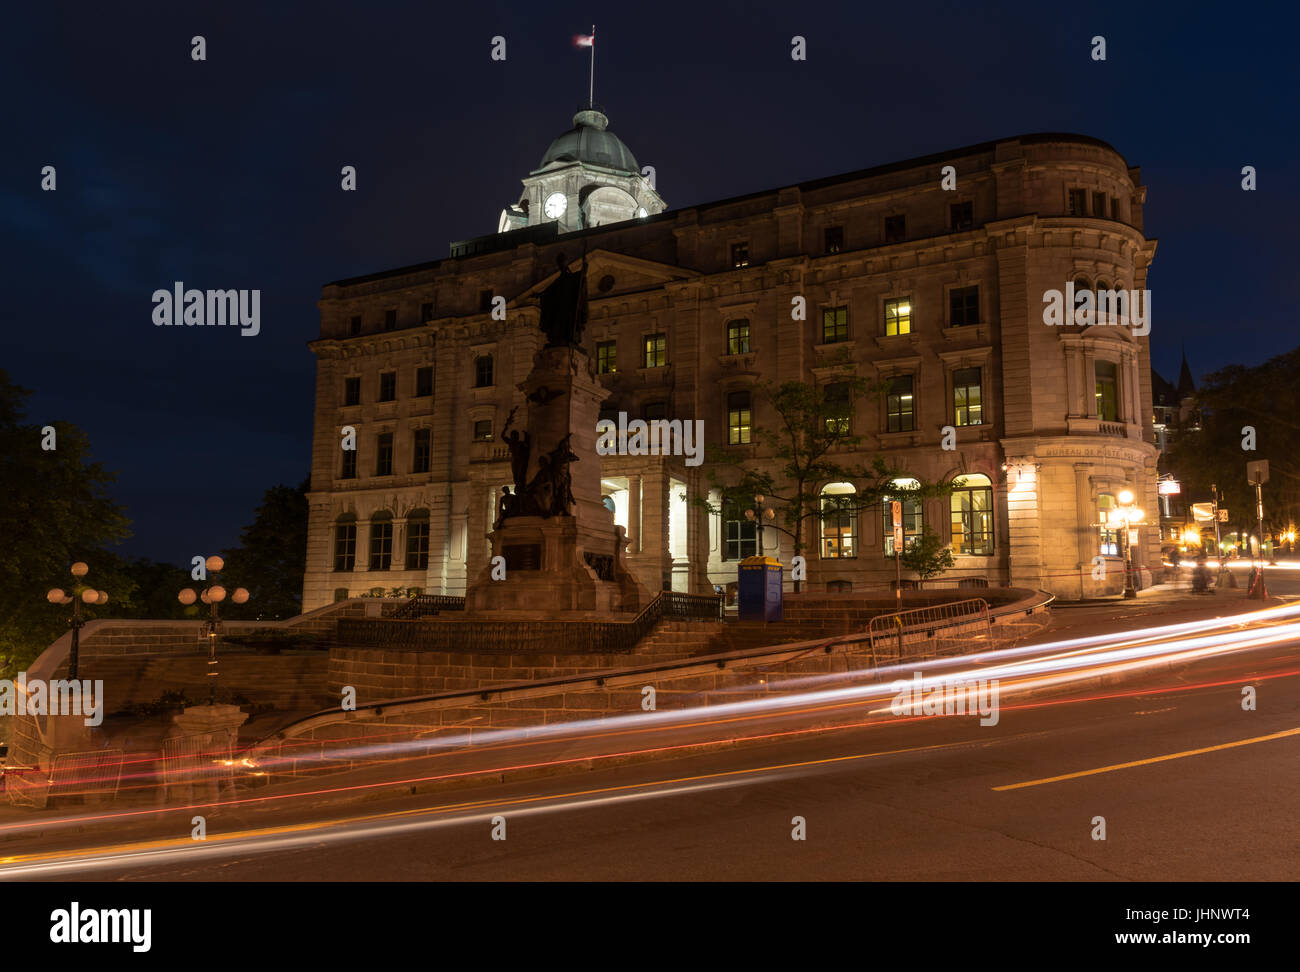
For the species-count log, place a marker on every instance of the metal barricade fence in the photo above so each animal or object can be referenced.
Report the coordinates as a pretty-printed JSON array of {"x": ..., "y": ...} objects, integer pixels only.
[
  {"x": 195, "y": 760},
  {"x": 90, "y": 776},
  {"x": 958, "y": 627}
]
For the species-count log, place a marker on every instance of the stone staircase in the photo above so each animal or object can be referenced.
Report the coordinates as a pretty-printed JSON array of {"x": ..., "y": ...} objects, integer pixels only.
[{"x": 684, "y": 639}]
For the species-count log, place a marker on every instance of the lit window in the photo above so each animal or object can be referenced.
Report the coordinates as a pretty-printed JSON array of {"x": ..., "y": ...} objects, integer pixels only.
[
  {"x": 656, "y": 350},
  {"x": 898, "y": 315},
  {"x": 738, "y": 337},
  {"x": 483, "y": 430},
  {"x": 838, "y": 519},
  {"x": 740, "y": 254},
  {"x": 912, "y": 522},
  {"x": 606, "y": 357},
  {"x": 739, "y": 418},
  {"x": 835, "y": 325},
  {"x": 972, "y": 515},
  {"x": 967, "y": 397},
  {"x": 833, "y": 237},
  {"x": 1109, "y": 534}
]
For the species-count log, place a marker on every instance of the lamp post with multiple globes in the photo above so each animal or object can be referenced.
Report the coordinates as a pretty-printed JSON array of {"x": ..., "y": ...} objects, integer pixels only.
[
  {"x": 212, "y": 596},
  {"x": 1125, "y": 517},
  {"x": 757, "y": 514},
  {"x": 81, "y": 594}
]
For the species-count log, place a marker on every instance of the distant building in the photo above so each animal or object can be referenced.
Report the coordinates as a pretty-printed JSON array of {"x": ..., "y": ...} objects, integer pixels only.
[
  {"x": 1174, "y": 413},
  {"x": 939, "y": 294}
]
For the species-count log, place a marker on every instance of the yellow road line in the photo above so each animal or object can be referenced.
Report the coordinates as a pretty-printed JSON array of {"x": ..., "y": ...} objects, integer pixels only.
[{"x": 1146, "y": 762}]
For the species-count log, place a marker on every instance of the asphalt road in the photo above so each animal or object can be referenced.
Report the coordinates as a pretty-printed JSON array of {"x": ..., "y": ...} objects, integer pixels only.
[{"x": 916, "y": 801}]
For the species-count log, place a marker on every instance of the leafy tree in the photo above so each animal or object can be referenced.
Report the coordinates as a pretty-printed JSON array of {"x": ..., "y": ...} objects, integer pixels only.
[
  {"x": 811, "y": 445},
  {"x": 927, "y": 556},
  {"x": 1265, "y": 398},
  {"x": 56, "y": 510},
  {"x": 271, "y": 557}
]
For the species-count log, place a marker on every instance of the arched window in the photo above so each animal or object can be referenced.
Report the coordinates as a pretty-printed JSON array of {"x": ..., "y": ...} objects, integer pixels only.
[
  {"x": 417, "y": 540},
  {"x": 1082, "y": 292},
  {"x": 381, "y": 541},
  {"x": 972, "y": 515},
  {"x": 483, "y": 371},
  {"x": 839, "y": 521},
  {"x": 912, "y": 522},
  {"x": 345, "y": 542},
  {"x": 1109, "y": 533}
]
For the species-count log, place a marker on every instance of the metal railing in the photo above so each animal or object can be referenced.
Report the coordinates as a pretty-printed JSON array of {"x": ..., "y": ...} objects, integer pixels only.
[
  {"x": 201, "y": 759},
  {"x": 486, "y": 636},
  {"x": 929, "y": 632},
  {"x": 424, "y": 605},
  {"x": 89, "y": 776}
]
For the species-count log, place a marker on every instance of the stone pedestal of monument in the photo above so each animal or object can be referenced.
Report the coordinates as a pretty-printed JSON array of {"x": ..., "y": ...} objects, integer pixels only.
[
  {"x": 562, "y": 559},
  {"x": 201, "y": 744}
]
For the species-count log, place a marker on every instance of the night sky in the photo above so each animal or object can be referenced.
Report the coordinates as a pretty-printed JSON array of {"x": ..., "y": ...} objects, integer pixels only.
[{"x": 225, "y": 174}]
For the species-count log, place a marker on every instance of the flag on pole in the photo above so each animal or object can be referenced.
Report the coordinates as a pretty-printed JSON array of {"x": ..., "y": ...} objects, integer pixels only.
[{"x": 584, "y": 40}]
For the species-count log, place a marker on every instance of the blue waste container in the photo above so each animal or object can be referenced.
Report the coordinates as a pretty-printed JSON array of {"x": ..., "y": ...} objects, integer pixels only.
[{"x": 758, "y": 589}]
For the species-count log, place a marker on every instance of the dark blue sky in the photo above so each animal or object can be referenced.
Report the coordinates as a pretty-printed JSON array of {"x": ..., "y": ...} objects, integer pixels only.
[{"x": 225, "y": 174}]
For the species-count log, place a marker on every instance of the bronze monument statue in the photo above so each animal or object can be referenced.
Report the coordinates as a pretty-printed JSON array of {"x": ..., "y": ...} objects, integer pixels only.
[{"x": 564, "y": 306}]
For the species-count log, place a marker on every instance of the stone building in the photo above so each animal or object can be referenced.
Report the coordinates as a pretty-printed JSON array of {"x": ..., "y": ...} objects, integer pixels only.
[{"x": 936, "y": 293}]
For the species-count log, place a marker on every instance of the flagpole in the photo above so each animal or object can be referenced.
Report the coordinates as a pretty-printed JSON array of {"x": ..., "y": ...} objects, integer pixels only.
[{"x": 591, "y": 88}]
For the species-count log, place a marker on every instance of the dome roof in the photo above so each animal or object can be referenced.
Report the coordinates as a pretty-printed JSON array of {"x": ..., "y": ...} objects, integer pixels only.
[{"x": 590, "y": 140}]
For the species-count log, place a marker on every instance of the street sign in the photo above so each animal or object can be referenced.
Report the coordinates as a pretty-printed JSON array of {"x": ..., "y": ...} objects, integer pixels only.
[
  {"x": 1168, "y": 487},
  {"x": 1257, "y": 472},
  {"x": 1203, "y": 512},
  {"x": 896, "y": 507},
  {"x": 1223, "y": 515},
  {"x": 898, "y": 538}
]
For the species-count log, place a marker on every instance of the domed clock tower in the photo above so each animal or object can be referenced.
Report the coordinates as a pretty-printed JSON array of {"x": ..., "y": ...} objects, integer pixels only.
[{"x": 587, "y": 178}]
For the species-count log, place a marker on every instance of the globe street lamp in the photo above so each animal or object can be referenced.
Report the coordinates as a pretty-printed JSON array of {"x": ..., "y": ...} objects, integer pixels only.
[
  {"x": 212, "y": 596},
  {"x": 756, "y": 514},
  {"x": 1125, "y": 517},
  {"x": 80, "y": 595}
]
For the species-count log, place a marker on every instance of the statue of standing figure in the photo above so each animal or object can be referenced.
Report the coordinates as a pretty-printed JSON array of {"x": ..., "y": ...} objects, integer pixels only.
[{"x": 564, "y": 306}]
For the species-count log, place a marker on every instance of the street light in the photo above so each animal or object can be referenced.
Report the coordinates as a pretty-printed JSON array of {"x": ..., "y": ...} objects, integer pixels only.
[
  {"x": 1125, "y": 517},
  {"x": 80, "y": 595},
  {"x": 212, "y": 596},
  {"x": 756, "y": 514}
]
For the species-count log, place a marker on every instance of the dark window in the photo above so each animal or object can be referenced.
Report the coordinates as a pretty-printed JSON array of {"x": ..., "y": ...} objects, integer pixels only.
[
  {"x": 426, "y": 311},
  {"x": 381, "y": 544},
  {"x": 483, "y": 371},
  {"x": 895, "y": 229},
  {"x": 742, "y": 540},
  {"x": 1078, "y": 202},
  {"x": 422, "y": 450},
  {"x": 972, "y": 516},
  {"x": 655, "y": 410},
  {"x": 962, "y": 216},
  {"x": 898, "y": 315},
  {"x": 740, "y": 254},
  {"x": 417, "y": 542},
  {"x": 423, "y": 382},
  {"x": 606, "y": 357},
  {"x": 738, "y": 337},
  {"x": 899, "y": 406},
  {"x": 384, "y": 454},
  {"x": 967, "y": 397},
  {"x": 390, "y": 319},
  {"x": 835, "y": 325},
  {"x": 351, "y": 391},
  {"x": 739, "y": 418},
  {"x": 1107, "y": 391},
  {"x": 656, "y": 350},
  {"x": 354, "y": 327},
  {"x": 1114, "y": 209},
  {"x": 1099, "y": 205},
  {"x": 485, "y": 300},
  {"x": 345, "y": 546},
  {"x": 833, "y": 238},
  {"x": 483, "y": 430},
  {"x": 388, "y": 386},
  {"x": 964, "y": 306},
  {"x": 349, "y": 470},
  {"x": 838, "y": 408}
]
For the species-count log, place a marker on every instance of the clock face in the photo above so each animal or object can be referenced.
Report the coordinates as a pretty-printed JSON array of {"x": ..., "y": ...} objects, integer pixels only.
[
  {"x": 641, "y": 213},
  {"x": 555, "y": 205}
]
